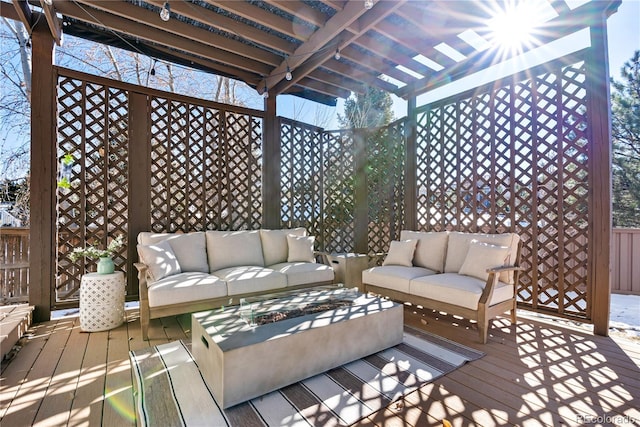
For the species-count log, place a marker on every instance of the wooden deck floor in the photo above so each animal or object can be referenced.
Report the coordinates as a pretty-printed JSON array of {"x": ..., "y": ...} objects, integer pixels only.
[{"x": 534, "y": 373}]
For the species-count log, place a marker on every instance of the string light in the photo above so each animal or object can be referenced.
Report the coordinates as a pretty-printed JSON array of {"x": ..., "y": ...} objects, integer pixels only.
[
  {"x": 288, "y": 76},
  {"x": 48, "y": 2},
  {"x": 265, "y": 92},
  {"x": 368, "y": 4},
  {"x": 165, "y": 12},
  {"x": 153, "y": 68},
  {"x": 337, "y": 55}
]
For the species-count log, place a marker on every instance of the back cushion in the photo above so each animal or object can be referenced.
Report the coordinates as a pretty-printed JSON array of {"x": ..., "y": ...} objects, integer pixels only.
[
  {"x": 459, "y": 246},
  {"x": 233, "y": 248},
  {"x": 431, "y": 248},
  {"x": 189, "y": 248},
  {"x": 274, "y": 244}
]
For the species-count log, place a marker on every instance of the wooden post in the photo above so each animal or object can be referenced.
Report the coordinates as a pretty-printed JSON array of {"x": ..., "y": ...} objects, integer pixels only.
[
  {"x": 599, "y": 125},
  {"x": 42, "y": 248},
  {"x": 271, "y": 166},
  {"x": 139, "y": 181},
  {"x": 411, "y": 168}
]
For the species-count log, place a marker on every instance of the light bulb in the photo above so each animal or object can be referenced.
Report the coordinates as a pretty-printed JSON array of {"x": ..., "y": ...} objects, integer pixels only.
[
  {"x": 265, "y": 92},
  {"x": 288, "y": 76},
  {"x": 165, "y": 12},
  {"x": 368, "y": 4},
  {"x": 337, "y": 55},
  {"x": 48, "y": 2}
]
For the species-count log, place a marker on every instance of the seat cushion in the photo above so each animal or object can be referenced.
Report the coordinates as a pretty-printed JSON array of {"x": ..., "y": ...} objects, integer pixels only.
[
  {"x": 431, "y": 248},
  {"x": 274, "y": 244},
  {"x": 457, "y": 289},
  {"x": 233, "y": 249},
  {"x": 302, "y": 273},
  {"x": 394, "y": 277},
  {"x": 189, "y": 248},
  {"x": 249, "y": 278},
  {"x": 186, "y": 287}
]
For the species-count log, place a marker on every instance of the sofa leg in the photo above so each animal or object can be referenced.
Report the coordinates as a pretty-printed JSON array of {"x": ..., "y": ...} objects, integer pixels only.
[
  {"x": 514, "y": 316},
  {"x": 144, "y": 325}
]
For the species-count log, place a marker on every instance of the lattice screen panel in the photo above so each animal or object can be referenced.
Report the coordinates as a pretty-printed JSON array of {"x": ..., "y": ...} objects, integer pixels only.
[
  {"x": 514, "y": 158},
  {"x": 206, "y": 168},
  {"x": 301, "y": 178},
  {"x": 92, "y": 196},
  {"x": 385, "y": 185},
  {"x": 339, "y": 165}
]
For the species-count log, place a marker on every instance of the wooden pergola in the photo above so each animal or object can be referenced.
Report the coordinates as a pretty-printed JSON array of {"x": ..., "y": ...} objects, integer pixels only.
[{"x": 331, "y": 49}]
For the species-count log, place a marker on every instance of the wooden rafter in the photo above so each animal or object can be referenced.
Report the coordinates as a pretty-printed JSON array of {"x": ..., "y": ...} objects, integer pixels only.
[{"x": 53, "y": 21}]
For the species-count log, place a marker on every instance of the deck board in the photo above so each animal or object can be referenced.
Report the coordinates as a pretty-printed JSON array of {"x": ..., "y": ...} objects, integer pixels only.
[{"x": 536, "y": 373}]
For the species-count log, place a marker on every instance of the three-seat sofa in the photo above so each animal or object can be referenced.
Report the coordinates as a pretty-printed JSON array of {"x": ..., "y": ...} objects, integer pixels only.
[{"x": 187, "y": 272}]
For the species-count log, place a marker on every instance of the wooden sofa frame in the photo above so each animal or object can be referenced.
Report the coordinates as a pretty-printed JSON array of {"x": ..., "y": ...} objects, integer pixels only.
[{"x": 482, "y": 315}]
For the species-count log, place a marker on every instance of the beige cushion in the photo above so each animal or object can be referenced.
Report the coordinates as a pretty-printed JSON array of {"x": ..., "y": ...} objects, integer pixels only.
[
  {"x": 274, "y": 244},
  {"x": 482, "y": 256},
  {"x": 430, "y": 250},
  {"x": 395, "y": 277},
  {"x": 401, "y": 253},
  {"x": 459, "y": 246},
  {"x": 456, "y": 289},
  {"x": 303, "y": 273},
  {"x": 249, "y": 279},
  {"x": 186, "y": 287},
  {"x": 160, "y": 259},
  {"x": 300, "y": 248},
  {"x": 189, "y": 248},
  {"x": 233, "y": 248}
]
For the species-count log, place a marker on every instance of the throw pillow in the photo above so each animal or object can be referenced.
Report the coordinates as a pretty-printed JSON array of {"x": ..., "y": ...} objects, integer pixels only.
[
  {"x": 300, "y": 248},
  {"x": 160, "y": 259},
  {"x": 482, "y": 256},
  {"x": 274, "y": 244},
  {"x": 401, "y": 253}
]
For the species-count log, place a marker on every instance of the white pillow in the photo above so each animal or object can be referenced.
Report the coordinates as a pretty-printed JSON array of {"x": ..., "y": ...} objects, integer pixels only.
[
  {"x": 401, "y": 253},
  {"x": 300, "y": 248},
  {"x": 274, "y": 244},
  {"x": 160, "y": 259},
  {"x": 191, "y": 251},
  {"x": 482, "y": 256}
]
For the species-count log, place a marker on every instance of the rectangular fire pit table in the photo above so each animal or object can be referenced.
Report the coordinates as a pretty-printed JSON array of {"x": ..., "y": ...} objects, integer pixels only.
[{"x": 240, "y": 361}]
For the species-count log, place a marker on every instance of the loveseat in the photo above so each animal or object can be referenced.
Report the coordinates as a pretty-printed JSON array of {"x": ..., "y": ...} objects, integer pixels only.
[
  {"x": 472, "y": 275},
  {"x": 187, "y": 272}
]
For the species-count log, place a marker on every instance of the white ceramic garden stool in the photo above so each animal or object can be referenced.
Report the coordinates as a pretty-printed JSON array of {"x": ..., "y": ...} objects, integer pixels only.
[{"x": 102, "y": 301}]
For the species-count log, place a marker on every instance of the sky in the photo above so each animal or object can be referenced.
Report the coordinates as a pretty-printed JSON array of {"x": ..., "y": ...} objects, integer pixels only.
[{"x": 623, "y": 39}]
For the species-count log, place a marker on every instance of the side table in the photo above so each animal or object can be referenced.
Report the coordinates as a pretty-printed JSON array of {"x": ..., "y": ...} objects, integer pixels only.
[
  {"x": 348, "y": 268},
  {"x": 102, "y": 301}
]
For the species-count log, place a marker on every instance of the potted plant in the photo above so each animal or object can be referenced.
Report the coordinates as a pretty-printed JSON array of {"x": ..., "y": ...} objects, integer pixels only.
[{"x": 104, "y": 256}]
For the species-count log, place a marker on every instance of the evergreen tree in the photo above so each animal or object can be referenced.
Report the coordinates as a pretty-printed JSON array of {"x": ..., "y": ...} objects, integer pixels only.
[
  {"x": 625, "y": 108},
  {"x": 368, "y": 110}
]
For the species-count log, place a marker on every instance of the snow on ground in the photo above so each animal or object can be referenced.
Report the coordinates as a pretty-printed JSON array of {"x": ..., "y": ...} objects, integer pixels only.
[{"x": 624, "y": 317}]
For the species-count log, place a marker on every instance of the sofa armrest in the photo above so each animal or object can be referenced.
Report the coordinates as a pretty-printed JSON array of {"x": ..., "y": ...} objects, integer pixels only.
[
  {"x": 323, "y": 256},
  {"x": 376, "y": 258},
  {"x": 501, "y": 269}
]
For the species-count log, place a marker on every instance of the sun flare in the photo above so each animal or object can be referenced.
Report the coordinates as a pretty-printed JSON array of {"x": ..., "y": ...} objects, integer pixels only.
[{"x": 512, "y": 29}]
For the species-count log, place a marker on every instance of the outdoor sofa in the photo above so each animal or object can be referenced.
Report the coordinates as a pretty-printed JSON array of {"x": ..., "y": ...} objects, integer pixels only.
[
  {"x": 188, "y": 272},
  {"x": 472, "y": 275}
]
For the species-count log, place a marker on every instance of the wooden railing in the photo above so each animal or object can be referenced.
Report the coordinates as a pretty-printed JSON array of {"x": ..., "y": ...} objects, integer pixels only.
[{"x": 14, "y": 264}]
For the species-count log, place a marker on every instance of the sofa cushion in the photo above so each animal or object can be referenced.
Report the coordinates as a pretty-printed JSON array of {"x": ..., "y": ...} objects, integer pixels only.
[
  {"x": 430, "y": 250},
  {"x": 160, "y": 259},
  {"x": 300, "y": 248},
  {"x": 394, "y": 277},
  {"x": 482, "y": 256},
  {"x": 251, "y": 279},
  {"x": 274, "y": 244},
  {"x": 189, "y": 248},
  {"x": 186, "y": 287},
  {"x": 459, "y": 245},
  {"x": 233, "y": 248},
  {"x": 302, "y": 273},
  {"x": 457, "y": 289},
  {"x": 401, "y": 253}
]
